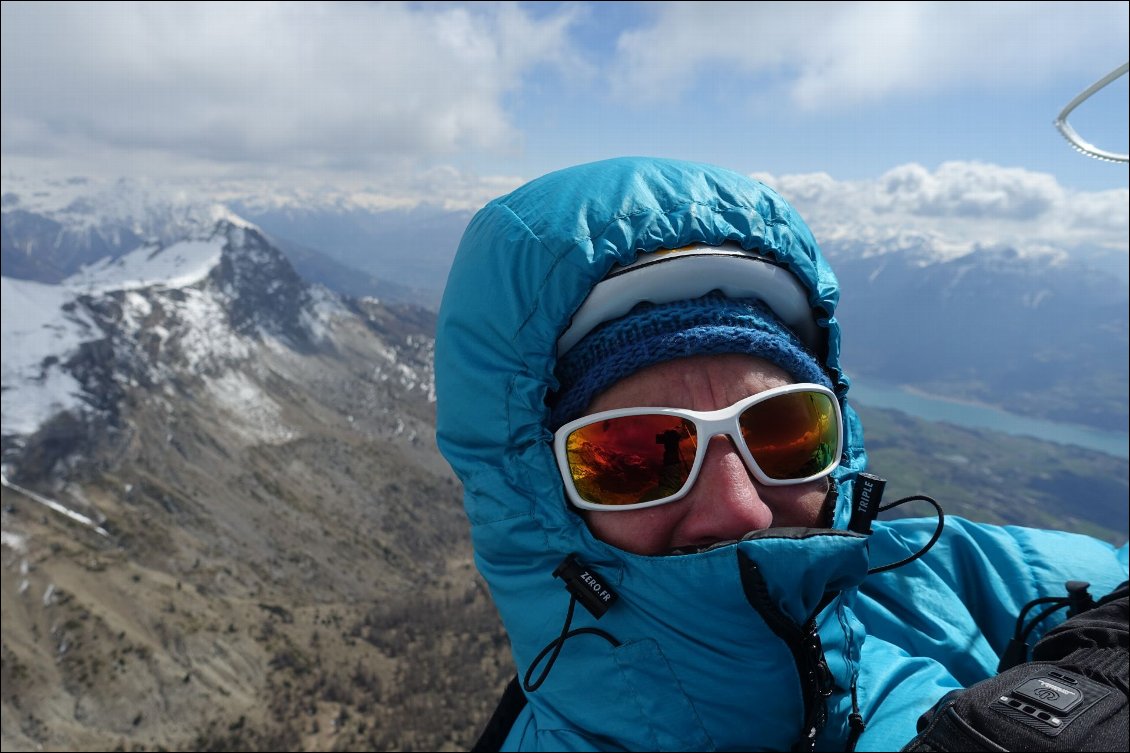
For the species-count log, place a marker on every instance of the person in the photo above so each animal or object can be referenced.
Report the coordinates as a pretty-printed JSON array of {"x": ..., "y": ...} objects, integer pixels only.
[{"x": 639, "y": 384}]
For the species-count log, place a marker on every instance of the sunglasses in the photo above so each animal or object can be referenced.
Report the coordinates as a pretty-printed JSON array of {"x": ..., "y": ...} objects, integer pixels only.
[{"x": 632, "y": 458}]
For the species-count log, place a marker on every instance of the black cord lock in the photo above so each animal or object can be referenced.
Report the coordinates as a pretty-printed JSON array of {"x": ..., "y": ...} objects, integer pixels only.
[
  {"x": 866, "y": 496},
  {"x": 588, "y": 587}
]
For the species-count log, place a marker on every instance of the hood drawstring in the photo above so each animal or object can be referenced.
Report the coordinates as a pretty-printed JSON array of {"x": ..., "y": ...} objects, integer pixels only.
[
  {"x": 555, "y": 646},
  {"x": 933, "y": 539},
  {"x": 866, "y": 507},
  {"x": 584, "y": 586}
]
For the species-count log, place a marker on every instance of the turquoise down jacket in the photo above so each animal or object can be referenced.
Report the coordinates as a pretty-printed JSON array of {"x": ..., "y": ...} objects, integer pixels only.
[{"x": 768, "y": 643}]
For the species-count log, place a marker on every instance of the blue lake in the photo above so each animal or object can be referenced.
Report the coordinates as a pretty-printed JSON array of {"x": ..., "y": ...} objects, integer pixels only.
[{"x": 878, "y": 395}]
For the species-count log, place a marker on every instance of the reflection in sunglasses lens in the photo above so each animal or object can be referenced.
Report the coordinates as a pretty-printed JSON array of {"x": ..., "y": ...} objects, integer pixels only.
[
  {"x": 792, "y": 435},
  {"x": 631, "y": 459}
]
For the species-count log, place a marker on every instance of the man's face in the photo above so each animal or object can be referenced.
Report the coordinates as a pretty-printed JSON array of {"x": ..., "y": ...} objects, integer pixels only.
[{"x": 726, "y": 502}]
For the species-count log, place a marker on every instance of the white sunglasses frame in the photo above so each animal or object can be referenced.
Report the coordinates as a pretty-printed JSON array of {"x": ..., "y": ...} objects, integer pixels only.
[{"x": 708, "y": 424}]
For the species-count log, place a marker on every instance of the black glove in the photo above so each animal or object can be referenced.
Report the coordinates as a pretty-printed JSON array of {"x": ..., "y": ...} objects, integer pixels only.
[{"x": 1071, "y": 697}]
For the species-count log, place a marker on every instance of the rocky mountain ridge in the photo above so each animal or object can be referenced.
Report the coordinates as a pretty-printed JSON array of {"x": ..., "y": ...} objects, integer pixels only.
[{"x": 276, "y": 556}]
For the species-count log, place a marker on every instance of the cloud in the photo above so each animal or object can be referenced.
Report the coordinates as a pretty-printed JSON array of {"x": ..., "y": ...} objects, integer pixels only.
[
  {"x": 251, "y": 84},
  {"x": 835, "y": 54},
  {"x": 959, "y": 207},
  {"x": 968, "y": 189},
  {"x": 441, "y": 186}
]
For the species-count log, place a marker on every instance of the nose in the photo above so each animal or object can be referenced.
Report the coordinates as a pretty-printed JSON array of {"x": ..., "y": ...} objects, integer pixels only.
[{"x": 725, "y": 502}]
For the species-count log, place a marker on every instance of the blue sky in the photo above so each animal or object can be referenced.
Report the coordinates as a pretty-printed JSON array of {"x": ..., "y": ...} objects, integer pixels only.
[{"x": 458, "y": 102}]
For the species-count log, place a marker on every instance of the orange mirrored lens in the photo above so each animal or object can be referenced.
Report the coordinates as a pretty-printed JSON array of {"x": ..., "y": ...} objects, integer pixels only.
[
  {"x": 631, "y": 459},
  {"x": 792, "y": 436}
]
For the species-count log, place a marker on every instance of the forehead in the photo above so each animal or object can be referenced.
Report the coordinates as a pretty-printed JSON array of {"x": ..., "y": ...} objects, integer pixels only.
[{"x": 703, "y": 382}]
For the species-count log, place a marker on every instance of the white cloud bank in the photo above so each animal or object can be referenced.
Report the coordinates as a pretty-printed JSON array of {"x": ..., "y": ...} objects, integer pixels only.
[
  {"x": 307, "y": 85},
  {"x": 960, "y": 205},
  {"x": 413, "y": 95}
]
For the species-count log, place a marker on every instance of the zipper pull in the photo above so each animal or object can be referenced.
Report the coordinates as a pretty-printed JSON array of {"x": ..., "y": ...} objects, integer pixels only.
[{"x": 821, "y": 673}]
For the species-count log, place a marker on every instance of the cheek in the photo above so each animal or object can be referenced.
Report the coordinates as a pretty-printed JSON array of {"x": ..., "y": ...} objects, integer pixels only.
[
  {"x": 796, "y": 505},
  {"x": 639, "y": 531}
]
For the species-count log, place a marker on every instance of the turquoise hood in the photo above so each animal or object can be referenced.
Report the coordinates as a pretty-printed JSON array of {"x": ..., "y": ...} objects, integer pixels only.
[{"x": 757, "y": 644}]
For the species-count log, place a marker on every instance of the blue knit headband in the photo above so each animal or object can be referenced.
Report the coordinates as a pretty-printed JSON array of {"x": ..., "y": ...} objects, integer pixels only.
[{"x": 651, "y": 334}]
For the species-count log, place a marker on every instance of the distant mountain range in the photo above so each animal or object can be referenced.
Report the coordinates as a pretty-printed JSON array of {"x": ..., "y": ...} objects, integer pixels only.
[
  {"x": 1038, "y": 334},
  {"x": 1045, "y": 336},
  {"x": 412, "y": 248}
]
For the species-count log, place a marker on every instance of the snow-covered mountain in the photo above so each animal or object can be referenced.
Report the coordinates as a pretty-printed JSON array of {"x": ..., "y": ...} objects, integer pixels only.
[
  {"x": 51, "y": 229},
  {"x": 216, "y": 327},
  {"x": 222, "y": 502},
  {"x": 200, "y": 307}
]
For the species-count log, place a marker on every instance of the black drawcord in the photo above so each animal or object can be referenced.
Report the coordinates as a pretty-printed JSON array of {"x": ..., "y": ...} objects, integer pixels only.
[
  {"x": 856, "y": 725},
  {"x": 933, "y": 539},
  {"x": 1076, "y": 601},
  {"x": 1022, "y": 632},
  {"x": 555, "y": 646},
  {"x": 1040, "y": 618}
]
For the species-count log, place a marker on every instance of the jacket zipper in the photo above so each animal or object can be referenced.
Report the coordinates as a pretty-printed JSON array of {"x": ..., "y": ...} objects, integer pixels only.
[{"x": 816, "y": 679}]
